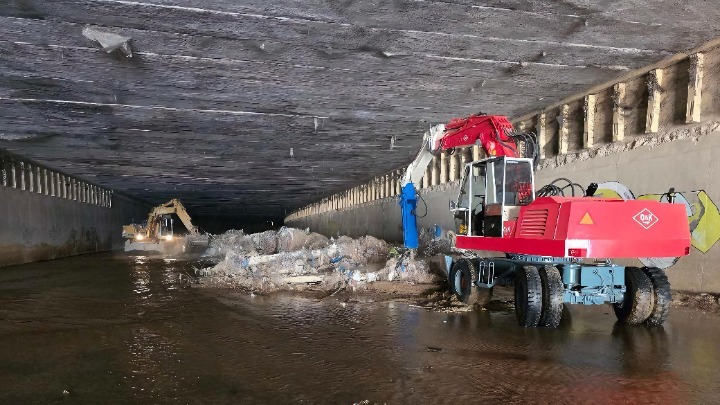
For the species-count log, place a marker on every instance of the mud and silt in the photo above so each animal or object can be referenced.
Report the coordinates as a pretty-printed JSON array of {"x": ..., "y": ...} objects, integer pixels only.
[{"x": 115, "y": 329}]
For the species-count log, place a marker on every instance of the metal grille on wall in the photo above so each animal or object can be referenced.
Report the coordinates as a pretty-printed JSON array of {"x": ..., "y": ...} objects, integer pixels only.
[{"x": 24, "y": 174}]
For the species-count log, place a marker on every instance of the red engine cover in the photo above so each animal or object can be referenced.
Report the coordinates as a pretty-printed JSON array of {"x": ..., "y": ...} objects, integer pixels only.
[{"x": 593, "y": 228}]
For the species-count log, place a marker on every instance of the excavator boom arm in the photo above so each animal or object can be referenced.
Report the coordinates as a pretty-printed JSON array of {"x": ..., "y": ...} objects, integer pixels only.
[
  {"x": 494, "y": 133},
  {"x": 173, "y": 206}
]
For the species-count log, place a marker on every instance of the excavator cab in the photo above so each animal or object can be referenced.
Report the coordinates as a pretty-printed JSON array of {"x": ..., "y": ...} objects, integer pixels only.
[
  {"x": 491, "y": 194},
  {"x": 165, "y": 227}
]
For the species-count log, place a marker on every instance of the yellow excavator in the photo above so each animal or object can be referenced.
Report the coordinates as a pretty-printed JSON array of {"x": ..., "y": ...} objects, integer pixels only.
[{"x": 157, "y": 234}]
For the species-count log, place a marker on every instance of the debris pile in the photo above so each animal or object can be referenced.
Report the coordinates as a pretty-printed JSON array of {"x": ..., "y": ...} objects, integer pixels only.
[
  {"x": 433, "y": 242},
  {"x": 409, "y": 268},
  {"x": 295, "y": 259}
]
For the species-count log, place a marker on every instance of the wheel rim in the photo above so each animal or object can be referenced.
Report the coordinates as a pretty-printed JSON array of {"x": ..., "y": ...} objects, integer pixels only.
[{"x": 459, "y": 282}]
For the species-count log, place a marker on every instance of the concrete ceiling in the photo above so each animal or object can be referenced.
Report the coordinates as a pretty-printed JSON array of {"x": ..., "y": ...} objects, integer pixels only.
[{"x": 218, "y": 92}]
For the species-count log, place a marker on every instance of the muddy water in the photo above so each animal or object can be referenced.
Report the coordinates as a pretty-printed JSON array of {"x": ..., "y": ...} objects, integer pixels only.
[{"x": 106, "y": 329}]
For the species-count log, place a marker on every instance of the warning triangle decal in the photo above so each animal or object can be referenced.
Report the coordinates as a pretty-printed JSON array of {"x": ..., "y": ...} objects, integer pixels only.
[{"x": 586, "y": 220}]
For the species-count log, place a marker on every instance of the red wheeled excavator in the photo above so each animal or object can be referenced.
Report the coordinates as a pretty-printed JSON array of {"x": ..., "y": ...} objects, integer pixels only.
[{"x": 553, "y": 249}]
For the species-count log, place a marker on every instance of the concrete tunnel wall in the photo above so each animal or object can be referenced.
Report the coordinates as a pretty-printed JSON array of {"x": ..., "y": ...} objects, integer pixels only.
[
  {"x": 655, "y": 129},
  {"x": 36, "y": 227},
  {"x": 41, "y": 220}
]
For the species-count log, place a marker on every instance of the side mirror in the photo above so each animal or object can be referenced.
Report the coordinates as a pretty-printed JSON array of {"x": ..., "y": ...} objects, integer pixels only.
[{"x": 453, "y": 205}]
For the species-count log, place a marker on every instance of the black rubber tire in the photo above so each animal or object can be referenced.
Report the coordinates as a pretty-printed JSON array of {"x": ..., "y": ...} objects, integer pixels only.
[
  {"x": 462, "y": 283},
  {"x": 661, "y": 294},
  {"x": 528, "y": 296},
  {"x": 553, "y": 295},
  {"x": 638, "y": 303}
]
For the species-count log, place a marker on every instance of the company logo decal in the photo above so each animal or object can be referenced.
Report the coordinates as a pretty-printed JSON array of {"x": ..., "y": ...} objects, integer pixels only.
[{"x": 646, "y": 218}]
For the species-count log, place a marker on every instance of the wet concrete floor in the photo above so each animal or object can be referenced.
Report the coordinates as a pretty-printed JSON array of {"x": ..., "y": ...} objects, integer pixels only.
[{"x": 108, "y": 329}]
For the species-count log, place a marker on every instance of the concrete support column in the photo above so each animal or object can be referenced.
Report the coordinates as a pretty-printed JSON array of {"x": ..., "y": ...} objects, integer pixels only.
[
  {"x": 46, "y": 174},
  {"x": 3, "y": 171},
  {"x": 427, "y": 177},
  {"x": 386, "y": 179},
  {"x": 398, "y": 186},
  {"x": 465, "y": 158},
  {"x": 23, "y": 183},
  {"x": 454, "y": 167},
  {"x": 695, "y": 86},
  {"x": 393, "y": 183},
  {"x": 435, "y": 171},
  {"x": 541, "y": 134},
  {"x": 618, "y": 116},
  {"x": 564, "y": 131},
  {"x": 13, "y": 174},
  {"x": 38, "y": 176},
  {"x": 589, "y": 121},
  {"x": 654, "y": 83},
  {"x": 477, "y": 152},
  {"x": 443, "y": 168},
  {"x": 31, "y": 178}
]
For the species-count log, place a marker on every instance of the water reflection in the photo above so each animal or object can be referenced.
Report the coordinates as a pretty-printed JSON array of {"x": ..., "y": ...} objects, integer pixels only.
[{"x": 129, "y": 330}]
